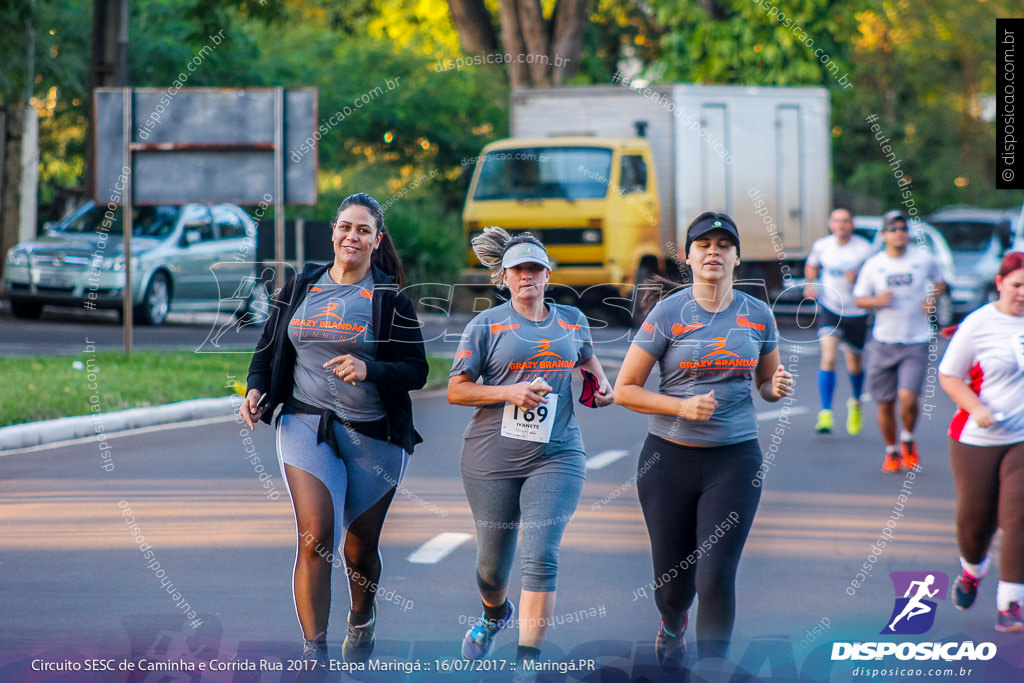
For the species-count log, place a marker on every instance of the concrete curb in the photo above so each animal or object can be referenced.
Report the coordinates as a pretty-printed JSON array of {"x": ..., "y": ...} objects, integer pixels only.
[{"x": 67, "y": 428}]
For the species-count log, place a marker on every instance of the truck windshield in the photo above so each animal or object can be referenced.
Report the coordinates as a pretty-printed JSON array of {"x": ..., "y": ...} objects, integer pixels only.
[
  {"x": 545, "y": 173},
  {"x": 147, "y": 221}
]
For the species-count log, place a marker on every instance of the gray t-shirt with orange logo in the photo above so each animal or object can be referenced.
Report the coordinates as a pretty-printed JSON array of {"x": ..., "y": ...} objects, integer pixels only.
[
  {"x": 504, "y": 348},
  {"x": 334, "y": 320},
  {"x": 698, "y": 351}
]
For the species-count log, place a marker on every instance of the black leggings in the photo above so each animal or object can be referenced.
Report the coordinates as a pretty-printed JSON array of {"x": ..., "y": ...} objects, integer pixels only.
[{"x": 699, "y": 504}]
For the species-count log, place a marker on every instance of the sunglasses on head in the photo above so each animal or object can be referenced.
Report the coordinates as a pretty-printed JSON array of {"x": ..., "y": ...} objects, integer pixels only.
[{"x": 896, "y": 228}]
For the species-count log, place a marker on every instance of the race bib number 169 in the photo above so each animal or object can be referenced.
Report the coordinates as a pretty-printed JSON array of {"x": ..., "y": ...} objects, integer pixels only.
[{"x": 529, "y": 425}]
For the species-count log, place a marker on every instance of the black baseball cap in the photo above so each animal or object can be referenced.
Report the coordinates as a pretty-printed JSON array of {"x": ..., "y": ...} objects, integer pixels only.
[
  {"x": 714, "y": 221},
  {"x": 891, "y": 217}
]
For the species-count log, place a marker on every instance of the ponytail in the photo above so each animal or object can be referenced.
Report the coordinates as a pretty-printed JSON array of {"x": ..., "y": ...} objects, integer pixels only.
[
  {"x": 385, "y": 256},
  {"x": 490, "y": 245}
]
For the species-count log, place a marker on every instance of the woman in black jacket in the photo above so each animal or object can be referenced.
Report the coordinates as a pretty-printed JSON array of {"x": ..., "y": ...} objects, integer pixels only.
[{"x": 339, "y": 354}]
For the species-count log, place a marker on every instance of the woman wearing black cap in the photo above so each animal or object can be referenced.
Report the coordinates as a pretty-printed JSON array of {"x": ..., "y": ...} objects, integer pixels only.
[{"x": 701, "y": 460}]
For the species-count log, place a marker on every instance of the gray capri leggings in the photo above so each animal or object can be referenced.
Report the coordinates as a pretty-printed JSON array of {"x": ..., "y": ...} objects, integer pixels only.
[
  {"x": 358, "y": 477},
  {"x": 541, "y": 505}
]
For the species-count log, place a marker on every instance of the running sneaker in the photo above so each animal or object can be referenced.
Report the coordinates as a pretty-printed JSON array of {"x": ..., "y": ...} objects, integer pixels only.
[
  {"x": 314, "y": 661},
  {"x": 908, "y": 455},
  {"x": 669, "y": 649},
  {"x": 853, "y": 417},
  {"x": 824, "y": 425},
  {"x": 358, "y": 645},
  {"x": 1010, "y": 621},
  {"x": 891, "y": 462},
  {"x": 965, "y": 590},
  {"x": 479, "y": 639}
]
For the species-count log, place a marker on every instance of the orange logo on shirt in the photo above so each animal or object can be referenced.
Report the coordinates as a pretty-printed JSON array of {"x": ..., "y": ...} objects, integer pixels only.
[
  {"x": 498, "y": 328},
  {"x": 553, "y": 361},
  {"x": 742, "y": 321},
  {"x": 315, "y": 289},
  {"x": 464, "y": 353},
  {"x": 545, "y": 350},
  {"x": 328, "y": 311},
  {"x": 720, "y": 350},
  {"x": 366, "y": 294},
  {"x": 567, "y": 326},
  {"x": 680, "y": 328},
  {"x": 647, "y": 327}
]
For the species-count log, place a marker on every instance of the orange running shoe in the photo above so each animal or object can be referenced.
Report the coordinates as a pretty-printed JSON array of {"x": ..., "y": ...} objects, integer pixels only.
[
  {"x": 908, "y": 455},
  {"x": 891, "y": 462}
]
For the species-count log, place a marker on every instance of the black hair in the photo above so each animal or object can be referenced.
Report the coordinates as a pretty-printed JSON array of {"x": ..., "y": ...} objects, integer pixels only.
[
  {"x": 385, "y": 256},
  {"x": 490, "y": 246}
]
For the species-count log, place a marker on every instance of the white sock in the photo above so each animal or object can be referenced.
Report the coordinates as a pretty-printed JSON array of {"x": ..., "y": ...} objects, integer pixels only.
[
  {"x": 978, "y": 571},
  {"x": 1007, "y": 592},
  {"x": 905, "y": 435}
]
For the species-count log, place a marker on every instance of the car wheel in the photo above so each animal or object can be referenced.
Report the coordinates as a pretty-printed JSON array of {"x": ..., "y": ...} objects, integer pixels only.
[
  {"x": 256, "y": 308},
  {"x": 157, "y": 301},
  {"x": 26, "y": 310},
  {"x": 944, "y": 314}
]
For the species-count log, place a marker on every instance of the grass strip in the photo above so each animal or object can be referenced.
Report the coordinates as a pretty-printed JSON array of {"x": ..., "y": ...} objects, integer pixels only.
[{"x": 46, "y": 387}]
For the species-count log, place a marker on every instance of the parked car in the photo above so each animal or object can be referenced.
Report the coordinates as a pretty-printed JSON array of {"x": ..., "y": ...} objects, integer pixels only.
[
  {"x": 192, "y": 257},
  {"x": 978, "y": 239},
  {"x": 922, "y": 236}
]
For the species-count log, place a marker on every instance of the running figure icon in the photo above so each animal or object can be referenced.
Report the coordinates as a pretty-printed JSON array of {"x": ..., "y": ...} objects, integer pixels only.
[{"x": 915, "y": 606}]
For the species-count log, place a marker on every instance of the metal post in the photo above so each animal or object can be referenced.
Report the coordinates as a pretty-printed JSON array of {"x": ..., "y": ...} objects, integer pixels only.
[
  {"x": 279, "y": 236},
  {"x": 126, "y": 208}
]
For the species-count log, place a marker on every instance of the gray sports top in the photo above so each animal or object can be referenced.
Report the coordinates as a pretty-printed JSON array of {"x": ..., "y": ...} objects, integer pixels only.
[
  {"x": 698, "y": 351},
  {"x": 504, "y": 348},
  {"x": 334, "y": 320}
]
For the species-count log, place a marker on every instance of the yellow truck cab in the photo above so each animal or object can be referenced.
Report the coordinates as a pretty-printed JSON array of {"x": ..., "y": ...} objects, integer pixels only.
[{"x": 592, "y": 201}]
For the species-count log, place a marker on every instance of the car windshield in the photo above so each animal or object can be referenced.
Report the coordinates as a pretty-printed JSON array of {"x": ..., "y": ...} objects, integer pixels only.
[
  {"x": 966, "y": 235},
  {"x": 545, "y": 173},
  {"x": 147, "y": 221}
]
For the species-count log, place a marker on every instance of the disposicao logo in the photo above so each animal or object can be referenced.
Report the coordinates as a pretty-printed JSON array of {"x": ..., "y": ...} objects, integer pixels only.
[{"x": 914, "y": 612}]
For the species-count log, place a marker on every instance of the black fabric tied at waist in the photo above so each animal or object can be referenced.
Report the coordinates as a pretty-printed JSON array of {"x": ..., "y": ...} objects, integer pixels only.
[{"x": 375, "y": 429}]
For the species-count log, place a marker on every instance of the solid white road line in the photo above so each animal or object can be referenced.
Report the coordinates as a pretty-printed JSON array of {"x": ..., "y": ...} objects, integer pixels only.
[
  {"x": 773, "y": 414},
  {"x": 438, "y": 548},
  {"x": 604, "y": 459}
]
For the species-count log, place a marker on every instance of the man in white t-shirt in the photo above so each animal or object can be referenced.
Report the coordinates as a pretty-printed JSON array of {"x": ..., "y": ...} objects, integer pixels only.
[
  {"x": 831, "y": 270},
  {"x": 900, "y": 284}
]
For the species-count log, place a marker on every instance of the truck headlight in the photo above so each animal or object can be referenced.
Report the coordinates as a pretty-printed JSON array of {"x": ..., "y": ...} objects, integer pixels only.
[{"x": 591, "y": 236}]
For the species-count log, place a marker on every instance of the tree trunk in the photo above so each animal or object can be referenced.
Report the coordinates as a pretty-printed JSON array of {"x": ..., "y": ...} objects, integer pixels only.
[
  {"x": 474, "y": 25},
  {"x": 512, "y": 41},
  {"x": 534, "y": 28},
  {"x": 541, "y": 51},
  {"x": 570, "y": 26}
]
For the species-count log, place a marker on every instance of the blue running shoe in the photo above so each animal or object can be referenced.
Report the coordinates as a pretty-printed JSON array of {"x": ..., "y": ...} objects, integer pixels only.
[{"x": 480, "y": 638}]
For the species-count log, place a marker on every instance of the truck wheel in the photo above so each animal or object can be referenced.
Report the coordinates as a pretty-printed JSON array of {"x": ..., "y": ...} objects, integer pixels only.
[
  {"x": 26, "y": 310},
  {"x": 643, "y": 272},
  {"x": 157, "y": 301}
]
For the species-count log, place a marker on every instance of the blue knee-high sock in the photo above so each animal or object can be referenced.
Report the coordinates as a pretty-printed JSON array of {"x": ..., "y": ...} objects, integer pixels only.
[
  {"x": 826, "y": 387},
  {"x": 857, "y": 382}
]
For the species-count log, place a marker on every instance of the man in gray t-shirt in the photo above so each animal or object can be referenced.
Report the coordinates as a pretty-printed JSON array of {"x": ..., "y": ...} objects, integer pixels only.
[
  {"x": 698, "y": 351},
  {"x": 505, "y": 348}
]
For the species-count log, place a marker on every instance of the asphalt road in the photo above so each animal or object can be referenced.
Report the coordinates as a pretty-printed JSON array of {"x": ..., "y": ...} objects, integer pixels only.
[{"x": 74, "y": 584}]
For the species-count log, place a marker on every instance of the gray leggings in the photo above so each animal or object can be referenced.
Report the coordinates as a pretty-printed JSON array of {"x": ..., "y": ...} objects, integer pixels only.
[{"x": 540, "y": 504}]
